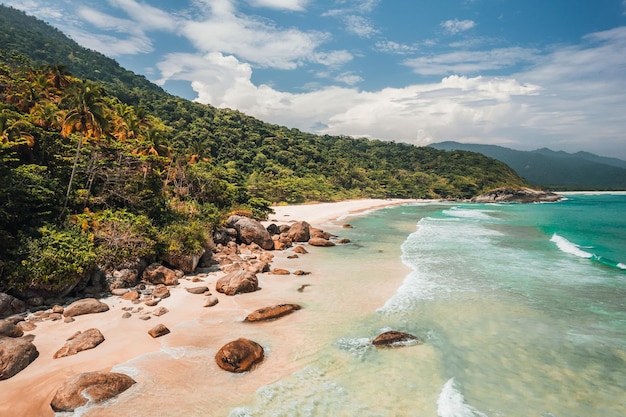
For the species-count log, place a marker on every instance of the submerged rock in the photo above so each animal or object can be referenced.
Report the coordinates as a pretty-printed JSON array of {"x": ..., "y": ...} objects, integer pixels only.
[
  {"x": 394, "y": 338},
  {"x": 272, "y": 313}
]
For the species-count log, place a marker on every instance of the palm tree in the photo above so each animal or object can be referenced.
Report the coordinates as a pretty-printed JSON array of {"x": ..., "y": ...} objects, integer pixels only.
[{"x": 86, "y": 115}]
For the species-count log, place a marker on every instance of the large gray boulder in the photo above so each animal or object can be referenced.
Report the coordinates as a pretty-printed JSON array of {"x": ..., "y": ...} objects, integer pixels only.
[
  {"x": 15, "y": 355},
  {"x": 94, "y": 387},
  {"x": 251, "y": 231}
]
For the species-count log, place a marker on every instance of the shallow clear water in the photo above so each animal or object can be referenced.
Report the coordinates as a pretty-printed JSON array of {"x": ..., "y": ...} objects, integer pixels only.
[{"x": 522, "y": 309}]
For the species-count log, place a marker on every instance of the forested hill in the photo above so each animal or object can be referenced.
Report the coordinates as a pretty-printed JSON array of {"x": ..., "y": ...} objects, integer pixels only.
[
  {"x": 100, "y": 166},
  {"x": 337, "y": 167},
  {"x": 555, "y": 170}
]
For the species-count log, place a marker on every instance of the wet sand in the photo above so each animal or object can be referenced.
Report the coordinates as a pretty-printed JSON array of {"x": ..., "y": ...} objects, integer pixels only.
[{"x": 180, "y": 365}]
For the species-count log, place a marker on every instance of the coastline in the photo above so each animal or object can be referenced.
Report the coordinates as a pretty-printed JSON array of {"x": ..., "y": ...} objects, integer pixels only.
[{"x": 197, "y": 332}]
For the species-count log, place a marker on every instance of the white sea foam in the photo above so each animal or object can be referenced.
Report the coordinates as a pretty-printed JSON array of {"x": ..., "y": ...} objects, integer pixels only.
[
  {"x": 451, "y": 403},
  {"x": 466, "y": 213},
  {"x": 356, "y": 346},
  {"x": 569, "y": 247},
  {"x": 621, "y": 265}
]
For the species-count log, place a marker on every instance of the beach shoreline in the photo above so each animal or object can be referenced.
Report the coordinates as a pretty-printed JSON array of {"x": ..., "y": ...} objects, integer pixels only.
[{"x": 127, "y": 344}]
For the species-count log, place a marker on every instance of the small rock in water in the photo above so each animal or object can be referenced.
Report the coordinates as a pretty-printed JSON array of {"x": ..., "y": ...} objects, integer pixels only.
[{"x": 394, "y": 338}]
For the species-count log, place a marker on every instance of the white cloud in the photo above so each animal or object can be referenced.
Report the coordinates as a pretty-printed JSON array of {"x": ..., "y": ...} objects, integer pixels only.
[
  {"x": 256, "y": 41},
  {"x": 471, "y": 62},
  {"x": 568, "y": 96},
  {"x": 295, "y": 5},
  {"x": 396, "y": 48},
  {"x": 455, "y": 26},
  {"x": 349, "y": 78},
  {"x": 359, "y": 26}
]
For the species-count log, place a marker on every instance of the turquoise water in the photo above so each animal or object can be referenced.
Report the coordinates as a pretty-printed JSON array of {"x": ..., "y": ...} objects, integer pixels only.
[{"x": 522, "y": 309}]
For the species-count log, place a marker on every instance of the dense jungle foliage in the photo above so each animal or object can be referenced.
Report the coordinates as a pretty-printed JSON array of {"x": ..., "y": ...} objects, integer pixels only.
[{"x": 100, "y": 167}]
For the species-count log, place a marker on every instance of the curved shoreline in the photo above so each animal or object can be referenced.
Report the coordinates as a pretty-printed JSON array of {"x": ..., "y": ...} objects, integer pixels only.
[{"x": 126, "y": 340}]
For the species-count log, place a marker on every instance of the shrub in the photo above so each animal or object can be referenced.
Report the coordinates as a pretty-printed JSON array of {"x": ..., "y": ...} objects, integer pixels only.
[
  {"x": 185, "y": 237},
  {"x": 119, "y": 236},
  {"x": 58, "y": 258}
]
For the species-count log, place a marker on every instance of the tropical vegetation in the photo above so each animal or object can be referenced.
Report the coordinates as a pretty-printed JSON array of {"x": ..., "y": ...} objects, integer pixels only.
[{"x": 102, "y": 170}]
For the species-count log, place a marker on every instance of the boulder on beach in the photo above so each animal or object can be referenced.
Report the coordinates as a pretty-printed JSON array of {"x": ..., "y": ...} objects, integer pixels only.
[
  {"x": 80, "y": 341},
  {"x": 85, "y": 306},
  {"x": 395, "y": 338},
  {"x": 93, "y": 387},
  {"x": 299, "y": 232},
  {"x": 10, "y": 305},
  {"x": 158, "y": 331},
  {"x": 251, "y": 231},
  {"x": 186, "y": 263},
  {"x": 237, "y": 282},
  {"x": 158, "y": 274},
  {"x": 239, "y": 355},
  {"x": 160, "y": 291},
  {"x": 320, "y": 241},
  {"x": 15, "y": 355},
  {"x": 197, "y": 290},
  {"x": 9, "y": 329},
  {"x": 272, "y": 313}
]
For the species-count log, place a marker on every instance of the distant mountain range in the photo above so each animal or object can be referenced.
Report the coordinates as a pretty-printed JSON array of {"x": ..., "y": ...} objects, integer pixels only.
[{"x": 555, "y": 170}]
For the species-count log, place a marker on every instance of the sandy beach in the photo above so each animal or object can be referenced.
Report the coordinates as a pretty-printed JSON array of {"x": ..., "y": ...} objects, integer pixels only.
[{"x": 169, "y": 363}]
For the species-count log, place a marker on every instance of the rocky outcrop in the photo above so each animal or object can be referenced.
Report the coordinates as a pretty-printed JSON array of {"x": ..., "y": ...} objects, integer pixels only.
[
  {"x": 517, "y": 195},
  {"x": 15, "y": 355},
  {"x": 250, "y": 231},
  {"x": 272, "y": 313},
  {"x": 93, "y": 387},
  {"x": 80, "y": 341},
  {"x": 239, "y": 355},
  {"x": 10, "y": 305},
  {"x": 237, "y": 282},
  {"x": 394, "y": 338},
  {"x": 8, "y": 329},
  {"x": 85, "y": 306},
  {"x": 159, "y": 274}
]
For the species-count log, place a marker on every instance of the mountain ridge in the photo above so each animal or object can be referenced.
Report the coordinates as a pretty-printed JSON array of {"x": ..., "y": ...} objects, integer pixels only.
[{"x": 553, "y": 169}]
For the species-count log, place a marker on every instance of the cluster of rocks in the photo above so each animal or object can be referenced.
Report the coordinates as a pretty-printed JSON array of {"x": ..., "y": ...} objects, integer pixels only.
[
  {"x": 242, "y": 250},
  {"x": 517, "y": 195}
]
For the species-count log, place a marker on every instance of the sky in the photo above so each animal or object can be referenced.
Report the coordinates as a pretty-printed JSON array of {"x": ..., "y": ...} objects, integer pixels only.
[{"x": 524, "y": 74}]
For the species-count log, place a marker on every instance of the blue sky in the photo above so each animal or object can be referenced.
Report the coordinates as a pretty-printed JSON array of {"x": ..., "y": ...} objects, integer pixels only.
[{"x": 524, "y": 74}]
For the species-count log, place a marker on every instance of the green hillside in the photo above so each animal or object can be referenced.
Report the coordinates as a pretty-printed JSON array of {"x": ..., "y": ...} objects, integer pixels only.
[{"x": 101, "y": 167}]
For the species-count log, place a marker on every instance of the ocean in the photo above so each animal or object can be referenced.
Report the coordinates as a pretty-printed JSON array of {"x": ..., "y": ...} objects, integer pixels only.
[{"x": 521, "y": 310}]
